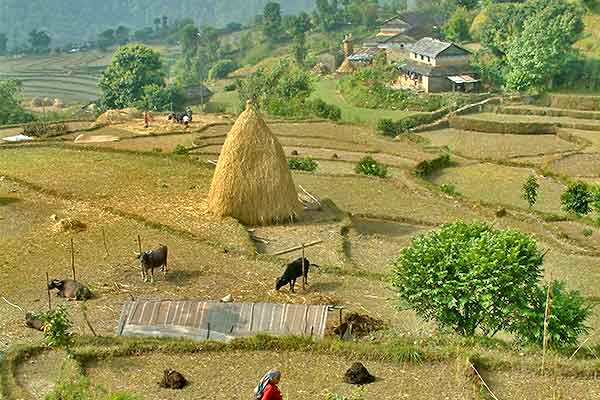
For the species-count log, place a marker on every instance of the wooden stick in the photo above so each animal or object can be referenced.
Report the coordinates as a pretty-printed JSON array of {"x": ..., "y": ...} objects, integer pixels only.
[
  {"x": 546, "y": 316},
  {"x": 140, "y": 244},
  {"x": 14, "y": 305},
  {"x": 104, "y": 240},
  {"x": 211, "y": 162},
  {"x": 303, "y": 269},
  {"x": 48, "y": 289},
  {"x": 85, "y": 318},
  {"x": 482, "y": 381},
  {"x": 297, "y": 248},
  {"x": 581, "y": 345},
  {"x": 310, "y": 195},
  {"x": 73, "y": 259}
]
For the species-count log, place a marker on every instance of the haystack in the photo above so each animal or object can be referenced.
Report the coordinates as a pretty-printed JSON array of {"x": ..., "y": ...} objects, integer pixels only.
[
  {"x": 346, "y": 67},
  {"x": 252, "y": 181}
]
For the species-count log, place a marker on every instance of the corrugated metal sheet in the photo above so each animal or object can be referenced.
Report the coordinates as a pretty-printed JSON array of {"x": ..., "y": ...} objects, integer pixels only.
[{"x": 203, "y": 320}]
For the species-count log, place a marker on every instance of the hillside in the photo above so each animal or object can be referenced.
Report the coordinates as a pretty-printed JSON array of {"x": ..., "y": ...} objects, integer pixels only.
[{"x": 80, "y": 20}]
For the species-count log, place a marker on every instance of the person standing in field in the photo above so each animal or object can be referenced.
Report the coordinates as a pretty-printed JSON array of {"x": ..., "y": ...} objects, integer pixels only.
[
  {"x": 147, "y": 118},
  {"x": 267, "y": 387}
]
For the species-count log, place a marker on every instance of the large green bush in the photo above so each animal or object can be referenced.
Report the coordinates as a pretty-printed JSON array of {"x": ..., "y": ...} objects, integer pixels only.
[
  {"x": 568, "y": 313},
  {"x": 577, "y": 198},
  {"x": 469, "y": 276},
  {"x": 427, "y": 167},
  {"x": 161, "y": 98},
  {"x": 222, "y": 68},
  {"x": 11, "y": 111},
  {"x": 324, "y": 110},
  {"x": 57, "y": 327}
]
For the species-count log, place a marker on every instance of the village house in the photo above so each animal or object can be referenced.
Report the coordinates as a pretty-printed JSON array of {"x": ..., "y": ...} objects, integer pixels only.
[{"x": 435, "y": 66}]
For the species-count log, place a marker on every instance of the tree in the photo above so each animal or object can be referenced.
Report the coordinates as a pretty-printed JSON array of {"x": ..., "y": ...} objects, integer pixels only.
[
  {"x": 157, "y": 22},
  {"x": 189, "y": 38},
  {"x": 122, "y": 35},
  {"x": 457, "y": 27},
  {"x": 161, "y": 98},
  {"x": 272, "y": 21},
  {"x": 133, "y": 67},
  {"x": 529, "y": 191},
  {"x": 11, "y": 111},
  {"x": 326, "y": 13},
  {"x": 165, "y": 22},
  {"x": 39, "y": 40},
  {"x": 106, "y": 39},
  {"x": 577, "y": 198},
  {"x": 144, "y": 34},
  {"x": 297, "y": 27},
  {"x": 3, "y": 44},
  {"x": 567, "y": 317},
  {"x": 595, "y": 193},
  {"x": 222, "y": 68},
  {"x": 469, "y": 276}
]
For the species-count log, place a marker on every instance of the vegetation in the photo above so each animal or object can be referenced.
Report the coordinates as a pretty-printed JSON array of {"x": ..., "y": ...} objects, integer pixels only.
[
  {"x": 161, "y": 98},
  {"x": 83, "y": 390},
  {"x": 11, "y": 111},
  {"x": 369, "y": 166},
  {"x": 529, "y": 192},
  {"x": 303, "y": 164},
  {"x": 577, "y": 198},
  {"x": 134, "y": 67},
  {"x": 457, "y": 28},
  {"x": 448, "y": 188},
  {"x": 57, "y": 326},
  {"x": 427, "y": 167},
  {"x": 222, "y": 68}
]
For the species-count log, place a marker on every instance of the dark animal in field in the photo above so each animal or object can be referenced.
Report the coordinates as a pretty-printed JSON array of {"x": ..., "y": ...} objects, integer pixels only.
[
  {"x": 292, "y": 272},
  {"x": 357, "y": 374},
  {"x": 149, "y": 260},
  {"x": 70, "y": 289},
  {"x": 178, "y": 117},
  {"x": 173, "y": 380},
  {"x": 294, "y": 152},
  {"x": 31, "y": 321}
]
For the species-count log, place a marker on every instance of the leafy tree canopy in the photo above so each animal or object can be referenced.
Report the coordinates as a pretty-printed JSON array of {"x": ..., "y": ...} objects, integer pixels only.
[{"x": 11, "y": 111}]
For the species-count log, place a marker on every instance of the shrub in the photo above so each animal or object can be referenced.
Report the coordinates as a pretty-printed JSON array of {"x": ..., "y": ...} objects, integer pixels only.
[
  {"x": 577, "y": 198},
  {"x": 427, "y": 167},
  {"x": 529, "y": 192},
  {"x": 587, "y": 232},
  {"x": 181, "y": 150},
  {"x": 230, "y": 87},
  {"x": 323, "y": 110},
  {"x": 303, "y": 164},
  {"x": 448, "y": 188},
  {"x": 159, "y": 98},
  {"x": 221, "y": 69},
  {"x": 463, "y": 276},
  {"x": 56, "y": 328},
  {"x": 566, "y": 322},
  {"x": 368, "y": 166},
  {"x": 387, "y": 127},
  {"x": 44, "y": 130}
]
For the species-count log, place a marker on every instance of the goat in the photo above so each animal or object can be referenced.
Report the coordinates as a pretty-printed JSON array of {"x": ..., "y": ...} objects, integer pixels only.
[
  {"x": 153, "y": 259},
  {"x": 70, "y": 289},
  {"x": 292, "y": 272}
]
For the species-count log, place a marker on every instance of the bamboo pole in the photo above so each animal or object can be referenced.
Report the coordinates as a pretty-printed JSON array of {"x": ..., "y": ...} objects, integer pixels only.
[
  {"x": 73, "y": 259},
  {"x": 546, "y": 316},
  {"x": 140, "y": 243},
  {"x": 104, "y": 241},
  {"x": 303, "y": 270},
  {"x": 48, "y": 289},
  {"x": 297, "y": 247}
]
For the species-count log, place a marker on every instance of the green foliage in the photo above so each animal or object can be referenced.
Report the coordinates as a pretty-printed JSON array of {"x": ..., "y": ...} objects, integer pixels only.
[
  {"x": 161, "y": 98},
  {"x": 11, "y": 111},
  {"x": 222, "y": 68},
  {"x": 323, "y": 110},
  {"x": 587, "y": 232},
  {"x": 595, "y": 194},
  {"x": 458, "y": 25},
  {"x": 39, "y": 40},
  {"x": 463, "y": 276},
  {"x": 106, "y": 39},
  {"x": 272, "y": 21},
  {"x": 567, "y": 317},
  {"x": 181, "y": 150},
  {"x": 230, "y": 87},
  {"x": 529, "y": 191},
  {"x": 3, "y": 43},
  {"x": 369, "y": 166},
  {"x": 577, "y": 198},
  {"x": 189, "y": 38},
  {"x": 83, "y": 390},
  {"x": 133, "y": 68},
  {"x": 303, "y": 164},
  {"x": 448, "y": 188},
  {"x": 427, "y": 167},
  {"x": 45, "y": 130},
  {"x": 57, "y": 326},
  {"x": 387, "y": 127}
]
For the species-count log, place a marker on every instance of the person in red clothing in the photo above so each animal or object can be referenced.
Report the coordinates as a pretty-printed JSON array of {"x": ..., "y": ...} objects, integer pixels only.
[{"x": 267, "y": 387}]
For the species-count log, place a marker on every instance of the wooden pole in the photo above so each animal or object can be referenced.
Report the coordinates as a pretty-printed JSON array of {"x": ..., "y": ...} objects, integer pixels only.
[
  {"x": 140, "y": 244},
  {"x": 546, "y": 316},
  {"x": 297, "y": 247},
  {"x": 73, "y": 259},
  {"x": 303, "y": 270},
  {"x": 104, "y": 240},
  {"x": 48, "y": 289},
  {"x": 208, "y": 332}
]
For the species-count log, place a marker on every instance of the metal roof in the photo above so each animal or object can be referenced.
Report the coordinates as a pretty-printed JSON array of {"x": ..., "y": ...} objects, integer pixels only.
[
  {"x": 432, "y": 47},
  {"x": 203, "y": 320},
  {"x": 365, "y": 54},
  {"x": 463, "y": 79}
]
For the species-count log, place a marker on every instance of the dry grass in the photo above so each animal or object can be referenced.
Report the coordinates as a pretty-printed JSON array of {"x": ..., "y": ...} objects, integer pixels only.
[
  {"x": 496, "y": 146},
  {"x": 577, "y": 165},
  {"x": 501, "y": 185}
]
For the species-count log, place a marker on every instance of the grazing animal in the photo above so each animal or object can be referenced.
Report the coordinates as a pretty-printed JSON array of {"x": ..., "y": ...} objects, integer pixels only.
[
  {"x": 173, "y": 380},
  {"x": 357, "y": 374},
  {"x": 292, "y": 272},
  {"x": 34, "y": 323},
  {"x": 70, "y": 289},
  {"x": 180, "y": 117},
  {"x": 149, "y": 260}
]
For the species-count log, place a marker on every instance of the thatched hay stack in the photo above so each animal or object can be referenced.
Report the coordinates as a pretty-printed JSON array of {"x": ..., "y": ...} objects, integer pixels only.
[
  {"x": 252, "y": 181},
  {"x": 346, "y": 67}
]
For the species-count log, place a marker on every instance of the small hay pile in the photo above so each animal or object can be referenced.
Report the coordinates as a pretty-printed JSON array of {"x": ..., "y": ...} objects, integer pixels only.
[
  {"x": 346, "y": 67},
  {"x": 359, "y": 325},
  {"x": 118, "y": 116},
  {"x": 68, "y": 225},
  {"x": 252, "y": 181}
]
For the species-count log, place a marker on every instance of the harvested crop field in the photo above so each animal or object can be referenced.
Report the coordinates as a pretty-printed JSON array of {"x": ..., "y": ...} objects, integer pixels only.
[
  {"x": 578, "y": 165},
  {"x": 163, "y": 143},
  {"x": 496, "y": 146}
]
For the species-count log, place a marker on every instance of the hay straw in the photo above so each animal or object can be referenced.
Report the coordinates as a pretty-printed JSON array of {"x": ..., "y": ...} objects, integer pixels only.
[
  {"x": 346, "y": 67},
  {"x": 252, "y": 181}
]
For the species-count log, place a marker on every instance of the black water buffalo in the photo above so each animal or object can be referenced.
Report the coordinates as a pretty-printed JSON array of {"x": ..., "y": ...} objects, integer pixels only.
[
  {"x": 70, "y": 289},
  {"x": 149, "y": 260},
  {"x": 292, "y": 272}
]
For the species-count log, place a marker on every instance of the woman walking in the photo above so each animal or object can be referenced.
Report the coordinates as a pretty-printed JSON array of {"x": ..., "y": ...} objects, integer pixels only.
[{"x": 267, "y": 387}]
